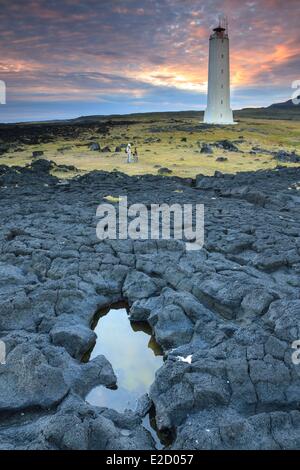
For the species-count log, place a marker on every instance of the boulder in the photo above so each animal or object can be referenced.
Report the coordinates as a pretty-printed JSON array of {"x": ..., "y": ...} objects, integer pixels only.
[
  {"x": 172, "y": 328},
  {"x": 165, "y": 171},
  {"x": 28, "y": 380},
  {"x": 138, "y": 285},
  {"x": 288, "y": 157},
  {"x": 42, "y": 166},
  {"x": 37, "y": 153},
  {"x": 227, "y": 145},
  {"x": 76, "y": 339},
  {"x": 66, "y": 431},
  {"x": 106, "y": 150},
  {"x": 206, "y": 148},
  {"x": 94, "y": 147}
]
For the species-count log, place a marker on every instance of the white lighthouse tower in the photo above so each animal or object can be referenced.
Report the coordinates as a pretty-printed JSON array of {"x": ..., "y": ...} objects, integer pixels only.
[{"x": 218, "y": 100}]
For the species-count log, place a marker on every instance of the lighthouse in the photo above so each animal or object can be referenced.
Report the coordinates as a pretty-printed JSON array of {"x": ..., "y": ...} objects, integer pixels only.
[{"x": 218, "y": 109}]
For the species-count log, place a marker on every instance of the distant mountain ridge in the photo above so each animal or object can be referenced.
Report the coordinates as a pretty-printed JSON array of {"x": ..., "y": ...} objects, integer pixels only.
[
  {"x": 284, "y": 111},
  {"x": 286, "y": 104}
]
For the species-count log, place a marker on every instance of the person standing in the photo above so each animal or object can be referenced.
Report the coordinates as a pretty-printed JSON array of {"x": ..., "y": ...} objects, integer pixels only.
[{"x": 129, "y": 155}]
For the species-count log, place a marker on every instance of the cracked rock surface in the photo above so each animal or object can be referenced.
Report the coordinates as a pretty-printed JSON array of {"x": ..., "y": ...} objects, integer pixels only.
[{"x": 233, "y": 308}]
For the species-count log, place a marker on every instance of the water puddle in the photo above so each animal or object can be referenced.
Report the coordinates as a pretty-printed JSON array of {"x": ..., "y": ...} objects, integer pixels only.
[{"x": 135, "y": 357}]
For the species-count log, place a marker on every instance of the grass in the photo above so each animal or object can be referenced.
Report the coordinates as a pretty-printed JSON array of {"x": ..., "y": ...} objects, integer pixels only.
[{"x": 172, "y": 151}]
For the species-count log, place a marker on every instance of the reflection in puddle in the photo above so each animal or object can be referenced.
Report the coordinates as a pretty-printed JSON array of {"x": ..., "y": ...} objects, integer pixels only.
[{"x": 135, "y": 357}]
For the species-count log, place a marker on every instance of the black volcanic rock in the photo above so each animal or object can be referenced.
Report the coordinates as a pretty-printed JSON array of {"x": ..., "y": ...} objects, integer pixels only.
[
  {"x": 164, "y": 171},
  {"x": 35, "y": 134},
  {"x": 206, "y": 148},
  {"x": 95, "y": 147},
  {"x": 4, "y": 148},
  {"x": 37, "y": 153},
  {"x": 226, "y": 145},
  {"x": 106, "y": 150},
  {"x": 226, "y": 316},
  {"x": 288, "y": 157},
  {"x": 42, "y": 166}
]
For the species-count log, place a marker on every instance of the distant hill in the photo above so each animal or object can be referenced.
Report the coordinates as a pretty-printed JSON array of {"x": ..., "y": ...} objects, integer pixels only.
[
  {"x": 286, "y": 104},
  {"x": 283, "y": 111},
  {"x": 147, "y": 117},
  {"x": 287, "y": 110}
]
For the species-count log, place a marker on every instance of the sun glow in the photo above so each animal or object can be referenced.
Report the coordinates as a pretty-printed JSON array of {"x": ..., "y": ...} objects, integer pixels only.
[{"x": 171, "y": 79}]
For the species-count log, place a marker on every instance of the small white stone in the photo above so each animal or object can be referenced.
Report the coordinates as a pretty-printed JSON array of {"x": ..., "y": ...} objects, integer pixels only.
[{"x": 187, "y": 359}]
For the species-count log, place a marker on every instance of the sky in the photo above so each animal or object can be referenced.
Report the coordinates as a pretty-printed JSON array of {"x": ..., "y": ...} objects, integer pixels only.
[{"x": 67, "y": 58}]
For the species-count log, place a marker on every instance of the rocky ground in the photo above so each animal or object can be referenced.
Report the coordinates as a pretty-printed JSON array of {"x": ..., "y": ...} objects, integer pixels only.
[{"x": 234, "y": 307}]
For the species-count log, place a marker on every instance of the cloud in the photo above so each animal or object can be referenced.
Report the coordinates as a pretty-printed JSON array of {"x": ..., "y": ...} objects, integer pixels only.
[{"x": 96, "y": 51}]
